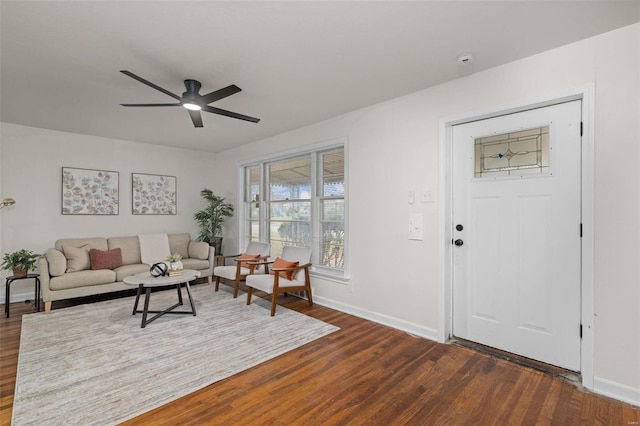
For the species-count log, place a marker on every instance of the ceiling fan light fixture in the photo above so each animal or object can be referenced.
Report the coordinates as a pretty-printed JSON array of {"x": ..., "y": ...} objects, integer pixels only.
[
  {"x": 192, "y": 106},
  {"x": 192, "y": 100}
]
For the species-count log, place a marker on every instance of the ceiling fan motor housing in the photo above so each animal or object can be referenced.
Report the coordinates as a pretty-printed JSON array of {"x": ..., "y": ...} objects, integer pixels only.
[
  {"x": 191, "y": 95},
  {"x": 192, "y": 86}
]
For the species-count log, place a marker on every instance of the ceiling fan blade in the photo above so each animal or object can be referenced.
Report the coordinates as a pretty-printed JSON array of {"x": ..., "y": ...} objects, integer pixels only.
[
  {"x": 220, "y": 94},
  {"x": 150, "y": 84},
  {"x": 150, "y": 105},
  {"x": 229, "y": 114},
  {"x": 196, "y": 118}
]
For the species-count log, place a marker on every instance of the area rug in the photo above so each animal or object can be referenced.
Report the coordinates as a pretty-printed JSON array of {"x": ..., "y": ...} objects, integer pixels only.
[{"x": 93, "y": 365}]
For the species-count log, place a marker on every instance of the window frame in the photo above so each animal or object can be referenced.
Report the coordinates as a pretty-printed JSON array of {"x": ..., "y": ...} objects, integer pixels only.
[{"x": 314, "y": 150}]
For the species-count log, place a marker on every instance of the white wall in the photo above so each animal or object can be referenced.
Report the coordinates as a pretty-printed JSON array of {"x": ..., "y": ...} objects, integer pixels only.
[
  {"x": 31, "y": 162},
  {"x": 393, "y": 147}
]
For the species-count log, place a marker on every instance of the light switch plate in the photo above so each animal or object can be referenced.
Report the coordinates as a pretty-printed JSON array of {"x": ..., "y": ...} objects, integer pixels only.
[
  {"x": 415, "y": 226},
  {"x": 427, "y": 196}
]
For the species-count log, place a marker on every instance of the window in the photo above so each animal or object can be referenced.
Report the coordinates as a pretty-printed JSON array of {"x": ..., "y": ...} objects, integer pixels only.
[
  {"x": 289, "y": 183},
  {"x": 252, "y": 203},
  {"x": 513, "y": 154},
  {"x": 331, "y": 201},
  {"x": 298, "y": 200}
]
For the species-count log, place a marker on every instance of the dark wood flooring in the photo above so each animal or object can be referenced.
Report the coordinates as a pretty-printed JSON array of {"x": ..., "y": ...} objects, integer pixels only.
[{"x": 365, "y": 374}]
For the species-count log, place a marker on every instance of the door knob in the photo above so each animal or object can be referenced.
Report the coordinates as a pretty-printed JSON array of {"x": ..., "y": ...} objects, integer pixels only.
[
  {"x": 459, "y": 227},
  {"x": 458, "y": 242}
]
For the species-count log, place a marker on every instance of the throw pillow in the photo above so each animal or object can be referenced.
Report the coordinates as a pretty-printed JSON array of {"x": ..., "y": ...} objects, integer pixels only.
[
  {"x": 281, "y": 263},
  {"x": 246, "y": 256},
  {"x": 109, "y": 259},
  {"x": 154, "y": 248},
  {"x": 179, "y": 243},
  {"x": 198, "y": 250},
  {"x": 77, "y": 257}
]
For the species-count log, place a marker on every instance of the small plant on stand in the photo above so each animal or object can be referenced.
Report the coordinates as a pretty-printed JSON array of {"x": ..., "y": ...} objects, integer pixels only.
[{"x": 20, "y": 262}]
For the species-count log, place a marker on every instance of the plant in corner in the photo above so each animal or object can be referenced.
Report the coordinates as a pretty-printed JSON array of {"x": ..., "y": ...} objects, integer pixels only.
[
  {"x": 210, "y": 219},
  {"x": 20, "y": 262}
]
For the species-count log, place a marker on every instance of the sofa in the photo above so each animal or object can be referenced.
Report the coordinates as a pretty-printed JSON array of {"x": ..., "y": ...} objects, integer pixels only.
[{"x": 66, "y": 271}]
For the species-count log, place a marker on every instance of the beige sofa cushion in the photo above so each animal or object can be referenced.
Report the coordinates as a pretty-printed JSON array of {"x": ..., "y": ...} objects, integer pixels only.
[
  {"x": 77, "y": 257},
  {"x": 196, "y": 264},
  {"x": 179, "y": 243},
  {"x": 82, "y": 279},
  {"x": 126, "y": 270},
  {"x": 130, "y": 248},
  {"x": 198, "y": 250},
  {"x": 57, "y": 262}
]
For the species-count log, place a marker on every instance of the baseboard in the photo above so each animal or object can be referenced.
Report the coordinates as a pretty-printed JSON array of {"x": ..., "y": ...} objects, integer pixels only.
[
  {"x": 18, "y": 296},
  {"x": 408, "y": 327},
  {"x": 616, "y": 390}
]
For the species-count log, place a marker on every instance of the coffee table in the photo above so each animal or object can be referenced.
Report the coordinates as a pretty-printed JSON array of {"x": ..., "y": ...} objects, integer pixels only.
[{"x": 146, "y": 281}]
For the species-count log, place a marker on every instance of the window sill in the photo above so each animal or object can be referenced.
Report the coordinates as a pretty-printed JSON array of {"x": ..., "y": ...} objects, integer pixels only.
[{"x": 330, "y": 276}]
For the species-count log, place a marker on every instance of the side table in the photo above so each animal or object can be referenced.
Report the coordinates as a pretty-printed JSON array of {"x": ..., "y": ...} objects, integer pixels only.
[{"x": 7, "y": 294}]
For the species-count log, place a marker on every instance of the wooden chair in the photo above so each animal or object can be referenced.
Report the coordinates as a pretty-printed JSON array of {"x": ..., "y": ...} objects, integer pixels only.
[
  {"x": 241, "y": 269},
  {"x": 276, "y": 284}
]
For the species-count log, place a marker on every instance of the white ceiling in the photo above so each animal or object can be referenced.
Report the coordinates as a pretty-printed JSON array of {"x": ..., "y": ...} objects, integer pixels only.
[{"x": 297, "y": 62}]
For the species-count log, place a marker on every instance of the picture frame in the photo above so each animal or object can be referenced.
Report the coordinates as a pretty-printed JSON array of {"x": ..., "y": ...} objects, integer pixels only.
[
  {"x": 153, "y": 194},
  {"x": 90, "y": 192}
]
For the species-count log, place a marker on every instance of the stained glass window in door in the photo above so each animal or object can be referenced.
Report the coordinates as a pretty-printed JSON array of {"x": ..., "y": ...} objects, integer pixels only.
[{"x": 513, "y": 154}]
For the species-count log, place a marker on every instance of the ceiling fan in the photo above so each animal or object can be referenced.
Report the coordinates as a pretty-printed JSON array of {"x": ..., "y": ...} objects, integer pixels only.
[{"x": 193, "y": 101}]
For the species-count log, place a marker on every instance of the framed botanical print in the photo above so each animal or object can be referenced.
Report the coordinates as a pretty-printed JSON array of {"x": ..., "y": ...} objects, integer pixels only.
[
  {"x": 153, "y": 194},
  {"x": 88, "y": 191}
]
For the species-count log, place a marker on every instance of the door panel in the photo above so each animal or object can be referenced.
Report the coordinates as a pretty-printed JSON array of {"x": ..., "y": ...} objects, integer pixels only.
[
  {"x": 484, "y": 297},
  {"x": 516, "y": 190},
  {"x": 533, "y": 279}
]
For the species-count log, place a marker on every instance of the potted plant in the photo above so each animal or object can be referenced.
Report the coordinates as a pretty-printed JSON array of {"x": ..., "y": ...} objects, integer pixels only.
[
  {"x": 20, "y": 262},
  {"x": 175, "y": 261},
  {"x": 210, "y": 219}
]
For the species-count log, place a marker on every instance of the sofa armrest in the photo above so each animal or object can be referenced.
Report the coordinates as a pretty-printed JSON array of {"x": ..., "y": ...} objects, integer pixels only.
[
  {"x": 43, "y": 270},
  {"x": 211, "y": 259}
]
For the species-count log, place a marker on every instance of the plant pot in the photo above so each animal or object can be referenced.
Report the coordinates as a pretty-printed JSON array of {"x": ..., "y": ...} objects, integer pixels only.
[
  {"x": 19, "y": 272},
  {"x": 176, "y": 266},
  {"x": 216, "y": 242}
]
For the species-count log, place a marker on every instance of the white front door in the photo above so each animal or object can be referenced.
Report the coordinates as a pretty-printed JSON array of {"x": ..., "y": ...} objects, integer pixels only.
[{"x": 516, "y": 213}]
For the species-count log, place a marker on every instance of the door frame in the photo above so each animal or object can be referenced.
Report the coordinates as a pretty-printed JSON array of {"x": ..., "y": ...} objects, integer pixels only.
[{"x": 584, "y": 93}]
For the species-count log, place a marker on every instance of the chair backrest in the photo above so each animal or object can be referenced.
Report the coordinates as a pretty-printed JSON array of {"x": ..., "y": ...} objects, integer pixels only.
[
  {"x": 254, "y": 247},
  {"x": 297, "y": 254}
]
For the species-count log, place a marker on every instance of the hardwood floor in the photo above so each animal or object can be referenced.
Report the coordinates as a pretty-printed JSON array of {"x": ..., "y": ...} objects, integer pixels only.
[{"x": 365, "y": 374}]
